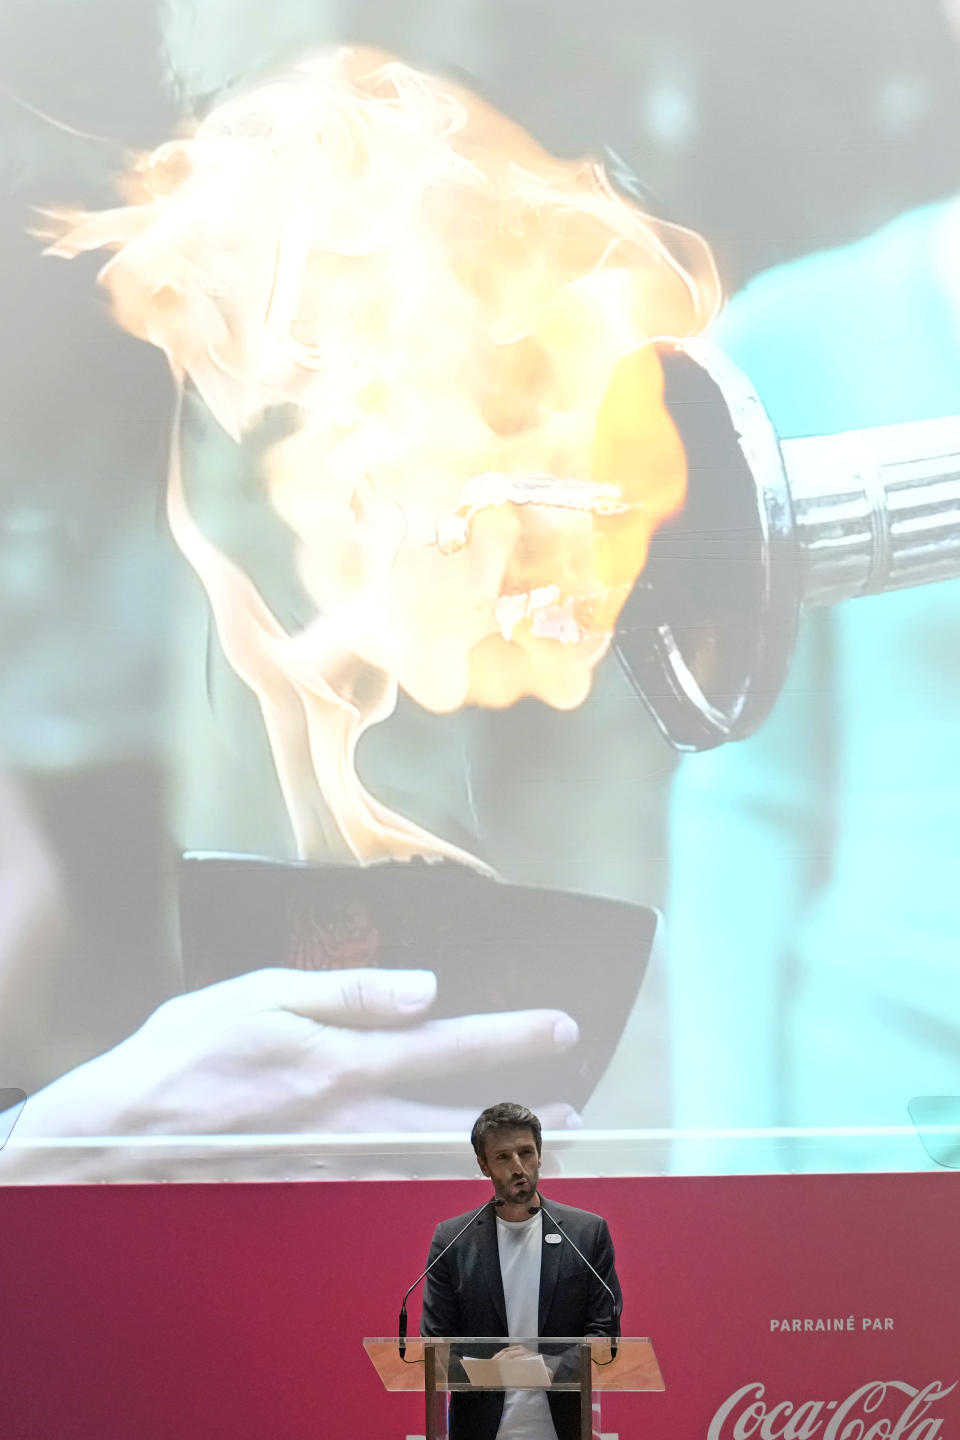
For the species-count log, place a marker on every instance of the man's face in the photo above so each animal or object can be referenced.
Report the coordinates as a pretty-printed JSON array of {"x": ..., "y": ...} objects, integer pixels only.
[{"x": 511, "y": 1161}]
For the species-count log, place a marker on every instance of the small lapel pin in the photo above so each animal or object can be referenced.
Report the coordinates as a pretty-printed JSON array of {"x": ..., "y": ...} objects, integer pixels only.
[{"x": 552, "y": 1239}]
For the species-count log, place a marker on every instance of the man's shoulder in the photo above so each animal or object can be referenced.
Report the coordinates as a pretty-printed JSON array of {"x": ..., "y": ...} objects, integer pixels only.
[
  {"x": 447, "y": 1228},
  {"x": 572, "y": 1215}
]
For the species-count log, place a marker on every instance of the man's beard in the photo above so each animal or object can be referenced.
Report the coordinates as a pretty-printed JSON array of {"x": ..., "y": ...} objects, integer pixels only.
[{"x": 520, "y": 1190}]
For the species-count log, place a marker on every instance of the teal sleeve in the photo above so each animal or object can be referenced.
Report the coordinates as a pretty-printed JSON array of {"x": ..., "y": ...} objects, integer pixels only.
[{"x": 852, "y": 338}]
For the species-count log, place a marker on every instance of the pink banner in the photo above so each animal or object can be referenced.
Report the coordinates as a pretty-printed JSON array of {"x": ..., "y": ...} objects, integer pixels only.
[{"x": 780, "y": 1307}]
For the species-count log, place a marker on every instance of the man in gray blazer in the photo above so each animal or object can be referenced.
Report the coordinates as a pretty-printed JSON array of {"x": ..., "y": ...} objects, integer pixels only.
[{"x": 512, "y": 1273}]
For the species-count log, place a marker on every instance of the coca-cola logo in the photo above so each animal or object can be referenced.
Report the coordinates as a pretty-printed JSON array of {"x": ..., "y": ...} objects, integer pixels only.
[{"x": 879, "y": 1410}]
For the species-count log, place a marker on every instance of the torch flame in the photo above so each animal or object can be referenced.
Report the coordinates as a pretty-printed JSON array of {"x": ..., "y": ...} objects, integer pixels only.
[{"x": 481, "y": 451}]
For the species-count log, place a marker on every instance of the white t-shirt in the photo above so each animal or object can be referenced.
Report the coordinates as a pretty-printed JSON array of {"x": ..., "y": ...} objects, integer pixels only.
[{"x": 526, "y": 1414}]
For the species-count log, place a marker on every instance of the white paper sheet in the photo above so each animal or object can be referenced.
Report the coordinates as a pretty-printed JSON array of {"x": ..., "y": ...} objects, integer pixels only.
[{"x": 514, "y": 1372}]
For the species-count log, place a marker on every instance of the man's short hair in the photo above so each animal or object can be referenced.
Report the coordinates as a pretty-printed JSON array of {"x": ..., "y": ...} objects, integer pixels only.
[{"x": 505, "y": 1116}]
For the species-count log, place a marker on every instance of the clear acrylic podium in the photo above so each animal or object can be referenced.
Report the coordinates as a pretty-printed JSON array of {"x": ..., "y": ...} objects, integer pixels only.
[{"x": 582, "y": 1365}]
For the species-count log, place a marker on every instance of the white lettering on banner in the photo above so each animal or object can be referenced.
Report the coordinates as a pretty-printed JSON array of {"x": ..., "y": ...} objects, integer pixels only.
[
  {"x": 746, "y": 1415},
  {"x": 806, "y": 1326},
  {"x": 834, "y": 1322}
]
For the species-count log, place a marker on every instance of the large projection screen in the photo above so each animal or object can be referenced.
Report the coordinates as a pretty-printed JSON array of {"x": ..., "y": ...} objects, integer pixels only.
[{"x": 479, "y": 531}]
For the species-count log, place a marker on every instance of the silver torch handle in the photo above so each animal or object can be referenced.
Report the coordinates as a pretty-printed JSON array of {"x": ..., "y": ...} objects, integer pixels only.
[
  {"x": 770, "y": 526},
  {"x": 876, "y": 509}
]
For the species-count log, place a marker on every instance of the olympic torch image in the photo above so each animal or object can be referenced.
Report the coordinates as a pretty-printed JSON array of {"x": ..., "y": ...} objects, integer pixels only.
[{"x": 505, "y": 449}]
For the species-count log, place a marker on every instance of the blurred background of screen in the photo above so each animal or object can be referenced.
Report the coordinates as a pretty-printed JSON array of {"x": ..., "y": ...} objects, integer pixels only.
[{"x": 775, "y": 131}]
